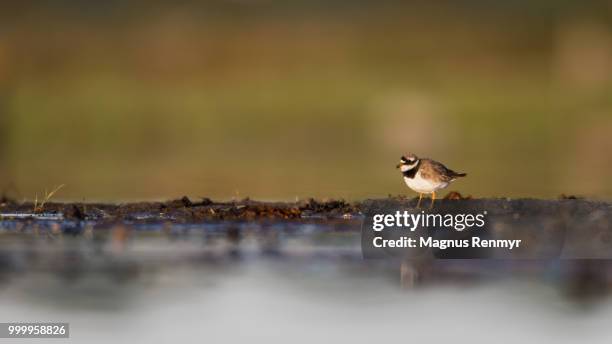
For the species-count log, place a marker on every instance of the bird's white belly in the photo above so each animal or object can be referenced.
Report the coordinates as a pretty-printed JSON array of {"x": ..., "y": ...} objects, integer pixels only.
[{"x": 421, "y": 185}]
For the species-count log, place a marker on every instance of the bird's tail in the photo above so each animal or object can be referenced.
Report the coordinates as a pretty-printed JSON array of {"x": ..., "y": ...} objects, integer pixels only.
[{"x": 457, "y": 175}]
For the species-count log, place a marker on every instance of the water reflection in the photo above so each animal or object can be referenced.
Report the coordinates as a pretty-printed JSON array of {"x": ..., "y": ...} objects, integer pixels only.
[{"x": 272, "y": 281}]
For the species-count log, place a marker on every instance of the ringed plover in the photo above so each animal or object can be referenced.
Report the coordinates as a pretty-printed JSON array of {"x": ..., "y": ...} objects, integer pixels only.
[{"x": 426, "y": 175}]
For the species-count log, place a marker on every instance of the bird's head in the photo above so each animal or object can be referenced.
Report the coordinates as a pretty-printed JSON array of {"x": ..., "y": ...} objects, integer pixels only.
[{"x": 408, "y": 162}]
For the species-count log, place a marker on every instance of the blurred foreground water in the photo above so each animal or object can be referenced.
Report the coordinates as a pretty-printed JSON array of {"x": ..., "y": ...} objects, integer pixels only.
[{"x": 301, "y": 281}]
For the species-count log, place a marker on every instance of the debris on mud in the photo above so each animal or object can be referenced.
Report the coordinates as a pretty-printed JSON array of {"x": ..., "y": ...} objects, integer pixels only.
[
  {"x": 564, "y": 196},
  {"x": 456, "y": 195},
  {"x": 186, "y": 210}
]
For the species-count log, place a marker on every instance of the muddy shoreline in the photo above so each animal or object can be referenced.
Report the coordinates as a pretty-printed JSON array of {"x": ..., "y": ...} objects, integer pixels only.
[
  {"x": 180, "y": 210},
  {"x": 187, "y": 210}
]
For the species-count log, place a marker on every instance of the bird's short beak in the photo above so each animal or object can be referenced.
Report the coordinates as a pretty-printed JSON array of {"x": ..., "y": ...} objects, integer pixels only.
[{"x": 398, "y": 165}]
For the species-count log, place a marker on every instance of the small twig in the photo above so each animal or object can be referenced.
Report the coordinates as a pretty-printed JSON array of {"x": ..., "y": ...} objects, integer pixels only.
[{"x": 38, "y": 208}]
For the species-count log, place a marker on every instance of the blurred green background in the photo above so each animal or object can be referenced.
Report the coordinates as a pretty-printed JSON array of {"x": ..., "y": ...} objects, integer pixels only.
[{"x": 291, "y": 99}]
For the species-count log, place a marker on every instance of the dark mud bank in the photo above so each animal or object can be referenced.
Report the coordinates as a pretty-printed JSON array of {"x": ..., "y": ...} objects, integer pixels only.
[
  {"x": 187, "y": 210},
  {"x": 180, "y": 210}
]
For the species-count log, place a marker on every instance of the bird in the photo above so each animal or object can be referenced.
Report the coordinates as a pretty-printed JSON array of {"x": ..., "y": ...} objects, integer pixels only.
[{"x": 426, "y": 176}]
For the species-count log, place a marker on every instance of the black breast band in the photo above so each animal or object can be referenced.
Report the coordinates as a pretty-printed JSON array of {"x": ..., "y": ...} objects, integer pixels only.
[{"x": 412, "y": 172}]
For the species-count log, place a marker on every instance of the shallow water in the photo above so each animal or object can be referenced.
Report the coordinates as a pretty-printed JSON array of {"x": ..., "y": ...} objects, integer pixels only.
[{"x": 300, "y": 281}]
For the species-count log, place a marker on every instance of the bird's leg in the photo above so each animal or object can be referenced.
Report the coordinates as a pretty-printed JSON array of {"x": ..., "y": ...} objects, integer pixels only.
[
  {"x": 433, "y": 199},
  {"x": 420, "y": 198},
  {"x": 409, "y": 275}
]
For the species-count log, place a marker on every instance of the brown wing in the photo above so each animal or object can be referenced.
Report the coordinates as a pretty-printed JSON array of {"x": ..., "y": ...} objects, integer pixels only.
[{"x": 434, "y": 170}]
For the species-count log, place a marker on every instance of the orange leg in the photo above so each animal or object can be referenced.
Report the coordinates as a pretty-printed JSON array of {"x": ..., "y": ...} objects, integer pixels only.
[
  {"x": 433, "y": 199},
  {"x": 419, "y": 202}
]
